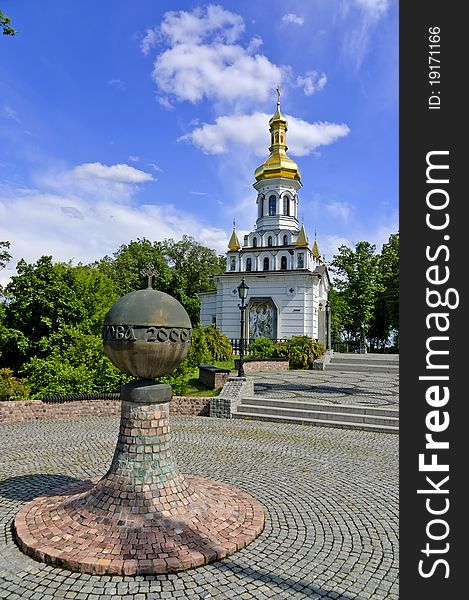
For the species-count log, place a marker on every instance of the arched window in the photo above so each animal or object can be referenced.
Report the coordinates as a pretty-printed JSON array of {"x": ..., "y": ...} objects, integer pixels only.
[
  {"x": 285, "y": 240},
  {"x": 248, "y": 264},
  {"x": 269, "y": 241},
  {"x": 272, "y": 206},
  {"x": 266, "y": 264},
  {"x": 233, "y": 264},
  {"x": 286, "y": 206},
  {"x": 283, "y": 263},
  {"x": 254, "y": 242},
  {"x": 261, "y": 206}
]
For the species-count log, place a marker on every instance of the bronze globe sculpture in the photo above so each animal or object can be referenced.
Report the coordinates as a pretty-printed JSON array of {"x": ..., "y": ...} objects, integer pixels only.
[
  {"x": 147, "y": 334},
  {"x": 143, "y": 516}
]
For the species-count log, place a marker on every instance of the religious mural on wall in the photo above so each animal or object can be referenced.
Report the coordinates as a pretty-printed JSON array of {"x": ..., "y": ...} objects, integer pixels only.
[{"x": 262, "y": 319}]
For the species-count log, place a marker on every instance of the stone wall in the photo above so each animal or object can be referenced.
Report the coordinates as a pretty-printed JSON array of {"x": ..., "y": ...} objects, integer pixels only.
[
  {"x": 212, "y": 377},
  {"x": 23, "y": 410},
  {"x": 252, "y": 365},
  {"x": 234, "y": 390}
]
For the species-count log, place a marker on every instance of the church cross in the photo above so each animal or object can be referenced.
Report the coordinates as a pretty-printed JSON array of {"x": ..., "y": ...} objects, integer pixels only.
[{"x": 149, "y": 271}]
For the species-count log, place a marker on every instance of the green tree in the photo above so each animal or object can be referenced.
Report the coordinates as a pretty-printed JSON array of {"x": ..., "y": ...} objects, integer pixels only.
[
  {"x": 386, "y": 315},
  {"x": 5, "y": 24},
  {"x": 40, "y": 300},
  {"x": 357, "y": 271},
  {"x": 192, "y": 269},
  {"x": 125, "y": 266},
  {"x": 5, "y": 256}
]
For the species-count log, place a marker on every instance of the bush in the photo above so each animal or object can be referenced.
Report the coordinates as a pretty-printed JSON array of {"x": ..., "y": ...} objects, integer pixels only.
[
  {"x": 76, "y": 365},
  {"x": 178, "y": 379},
  {"x": 198, "y": 354},
  {"x": 261, "y": 348},
  {"x": 218, "y": 344},
  {"x": 12, "y": 388},
  {"x": 301, "y": 351}
]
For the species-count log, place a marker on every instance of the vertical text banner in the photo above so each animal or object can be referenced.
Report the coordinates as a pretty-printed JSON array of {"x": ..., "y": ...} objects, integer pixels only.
[{"x": 434, "y": 342}]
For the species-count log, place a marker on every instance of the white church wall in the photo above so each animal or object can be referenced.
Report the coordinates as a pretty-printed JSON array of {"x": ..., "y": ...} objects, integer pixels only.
[{"x": 208, "y": 307}]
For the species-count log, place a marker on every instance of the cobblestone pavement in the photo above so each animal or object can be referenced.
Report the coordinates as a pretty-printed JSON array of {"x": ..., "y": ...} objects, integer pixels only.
[
  {"x": 334, "y": 387},
  {"x": 329, "y": 495}
]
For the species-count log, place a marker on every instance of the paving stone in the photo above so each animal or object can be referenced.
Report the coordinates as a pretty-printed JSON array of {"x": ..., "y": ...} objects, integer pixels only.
[{"x": 329, "y": 496}]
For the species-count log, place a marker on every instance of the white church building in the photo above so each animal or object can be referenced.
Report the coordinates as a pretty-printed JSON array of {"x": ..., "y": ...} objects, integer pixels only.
[{"x": 288, "y": 281}]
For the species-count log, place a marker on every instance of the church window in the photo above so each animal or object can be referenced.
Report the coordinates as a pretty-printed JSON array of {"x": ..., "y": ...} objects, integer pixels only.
[
  {"x": 269, "y": 241},
  {"x": 272, "y": 206},
  {"x": 281, "y": 138},
  {"x": 266, "y": 264},
  {"x": 283, "y": 263},
  {"x": 301, "y": 261},
  {"x": 254, "y": 242},
  {"x": 233, "y": 264},
  {"x": 261, "y": 206},
  {"x": 276, "y": 137},
  {"x": 248, "y": 264},
  {"x": 285, "y": 240},
  {"x": 286, "y": 206}
]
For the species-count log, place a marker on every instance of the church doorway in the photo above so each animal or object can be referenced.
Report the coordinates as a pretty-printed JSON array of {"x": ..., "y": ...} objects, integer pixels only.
[{"x": 262, "y": 319}]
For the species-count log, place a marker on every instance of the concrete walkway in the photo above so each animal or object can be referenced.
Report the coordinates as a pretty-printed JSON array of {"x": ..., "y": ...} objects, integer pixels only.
[
  {"x": 330, "y": 498},
  {"x": 367, "y": 388}
]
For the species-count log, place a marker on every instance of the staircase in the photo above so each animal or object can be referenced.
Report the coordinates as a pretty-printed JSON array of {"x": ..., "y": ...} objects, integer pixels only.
[
  {"x": 364, "y": 363},
  {"x": 380, "y": 419}
]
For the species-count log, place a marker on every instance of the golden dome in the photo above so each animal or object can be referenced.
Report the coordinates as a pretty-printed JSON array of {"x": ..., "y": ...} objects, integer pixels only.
[
  {"x": 315, "y": 249},
  {"x": 302, "y": 241},
  {"x": 278, "y": 164},
  {"x": 234, "y": 244}
]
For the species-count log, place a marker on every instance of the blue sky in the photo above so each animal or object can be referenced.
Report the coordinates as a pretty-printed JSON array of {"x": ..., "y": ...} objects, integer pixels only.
[{"x": 121, "y": 120}]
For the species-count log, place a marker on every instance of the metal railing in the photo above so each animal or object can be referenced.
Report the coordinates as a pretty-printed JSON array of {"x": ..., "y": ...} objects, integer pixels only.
[{"x": 235, "y": 344}]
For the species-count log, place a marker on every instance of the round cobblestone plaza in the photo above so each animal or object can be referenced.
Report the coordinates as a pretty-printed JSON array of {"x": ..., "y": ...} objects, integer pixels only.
[{"x": 330, "y": 499}]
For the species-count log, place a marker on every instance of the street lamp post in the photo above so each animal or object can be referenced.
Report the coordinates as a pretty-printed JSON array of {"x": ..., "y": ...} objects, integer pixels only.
[{"x": 242, "y": 293}]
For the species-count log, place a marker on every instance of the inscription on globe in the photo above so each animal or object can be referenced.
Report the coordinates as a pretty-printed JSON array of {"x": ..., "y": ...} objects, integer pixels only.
[{"x": 147, "y": 333}]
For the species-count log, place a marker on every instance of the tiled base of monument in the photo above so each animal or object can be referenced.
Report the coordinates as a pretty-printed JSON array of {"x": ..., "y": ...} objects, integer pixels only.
[{"x": 143, "y": 516}]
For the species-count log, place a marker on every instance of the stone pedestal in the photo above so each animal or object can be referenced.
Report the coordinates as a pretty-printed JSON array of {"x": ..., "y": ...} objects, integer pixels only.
[{"x": 143, "y": 516}]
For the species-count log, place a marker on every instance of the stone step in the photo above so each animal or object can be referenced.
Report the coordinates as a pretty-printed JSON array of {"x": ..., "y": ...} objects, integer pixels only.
[
  {"x": 361, "y": 367},
  {"x": 317, "y": 422},
  {"x": 313, "y": 415},
  {"x": 374, "y": 359},
  {"x": 288, "y": 403}
]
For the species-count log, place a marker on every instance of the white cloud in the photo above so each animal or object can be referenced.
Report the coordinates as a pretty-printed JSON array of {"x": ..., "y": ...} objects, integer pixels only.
[
  {"x": 134, "y": 158},
  {"x": 10, "y": 113},
  {"x": 311, "y": 82},
  {"x": 203, "y": 60},
  {"x": 156, "y": 167},
  {"x": 117, "y": 83},
  {"x": 118, "y": 173},
  {"x": 149, "y": 41},
  {"x": 182, "y": 27},
  {"x": 357, "y": 38},
  {"x": 341, "y": 210},
  {"x": 84, "y": 226},
  {"x": 292, "y": 18},
  {"x": 250, "y": 131},
  {"x": 373, "y": 8},
  {"x": 218, "y": 72}
]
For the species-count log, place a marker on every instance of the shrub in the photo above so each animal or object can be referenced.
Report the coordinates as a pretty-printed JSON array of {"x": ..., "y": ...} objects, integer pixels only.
[
  {"x": 12, "y": 388},
  {"x": 301, "y": 351},
  {"x": 198, "y": 354},
  {"x": 261, "y": 348},
  {"x": 218, "y": 344},
  {"x": 178, "y": 379},
  {"x": 76, "y": 365},
  {"x": 281, "y": 350}
]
